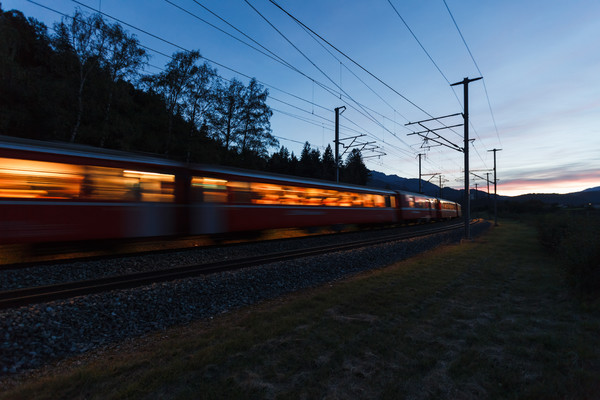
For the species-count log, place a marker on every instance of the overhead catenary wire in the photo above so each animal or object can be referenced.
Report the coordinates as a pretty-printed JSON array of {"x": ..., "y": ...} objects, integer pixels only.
[
  {"x": 350, "y": 59},
  {"x": 299, "y": 98},
  {"x": 266, "y": 53},
  {"x": 365, "y": 110},
  {"x": 439, "y": 70},
  {"x": 231, "y": 69},
  {"x": 478, "y": 70},
  {"x": 181, "y": 48},
  {"x": 319, "y": 69},
  {"x": 170, "y": 43},
  {"x": 349, "y": 70}
]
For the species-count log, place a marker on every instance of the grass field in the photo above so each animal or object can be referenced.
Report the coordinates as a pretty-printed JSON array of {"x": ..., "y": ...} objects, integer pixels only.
[{"x": 492, "y": 318}]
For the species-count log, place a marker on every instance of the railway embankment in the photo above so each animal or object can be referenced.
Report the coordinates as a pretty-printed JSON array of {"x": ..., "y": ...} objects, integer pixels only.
[
  {"x": 38, "y": 334},
  {"x": 492, "y": 318}
]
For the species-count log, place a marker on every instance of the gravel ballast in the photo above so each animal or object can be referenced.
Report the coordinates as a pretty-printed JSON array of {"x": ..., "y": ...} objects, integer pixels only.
[{"x": 40, "y": 334}]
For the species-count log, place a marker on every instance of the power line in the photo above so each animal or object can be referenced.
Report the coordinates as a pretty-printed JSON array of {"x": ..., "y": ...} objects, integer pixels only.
[
  {"x": 184, "y": 49},
  {"x": 419, "y": 42},
  {"x": 349, "y": 58},
  {"x": 319, "y": 69},
  {"x": 285, "y": 63},
  {"x": 179, "y": 47},
  {"x": 272, "y": 55},
  {"x": 297, "y": 141},
  {"x": 244, "y": 34},
  {"x": 439, "y": 69},
  {"x": 239, "y": 72},
  {"x": 349, "y": 70},
  {"x": 291, "y": 43},
  {"x": 364, "y": 113},
  {"x": 476, "y": 66},
  {"x": 353, "y": 61}
]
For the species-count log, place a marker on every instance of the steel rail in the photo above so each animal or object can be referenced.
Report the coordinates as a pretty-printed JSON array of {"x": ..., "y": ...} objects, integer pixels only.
[
  {"x": 232, "y": 242},
  {"x": 26, "y": 296}
]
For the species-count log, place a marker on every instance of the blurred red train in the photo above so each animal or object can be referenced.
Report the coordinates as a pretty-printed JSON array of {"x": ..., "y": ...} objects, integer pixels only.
[{"x": 60, "y": 192}]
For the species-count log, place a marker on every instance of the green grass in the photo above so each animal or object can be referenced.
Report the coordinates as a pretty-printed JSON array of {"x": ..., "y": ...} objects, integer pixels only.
[
  {"x": 574, "y": 238},
  {"x": 488, "y": 319}
]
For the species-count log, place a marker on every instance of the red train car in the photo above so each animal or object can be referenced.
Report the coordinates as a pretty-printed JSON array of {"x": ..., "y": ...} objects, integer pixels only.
[
  {"x": 233, "y": 200},
  {"x": 62, "y": 192},
  {"x": 54, "y": 192},
  {"x": 416, "y": 207},
  {"x": 446, "y": 209}
]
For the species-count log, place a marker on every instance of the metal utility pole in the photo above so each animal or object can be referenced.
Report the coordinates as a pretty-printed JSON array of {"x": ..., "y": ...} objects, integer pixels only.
[
  {"x": 467, "y": 211},
  {"x": 487, "y": 179},
  {"x": 495, "y": 194},
  {"x": 431, "y": 135},
  {"x": 338, "y": 111},
  {"x": 420, "y": 181}
]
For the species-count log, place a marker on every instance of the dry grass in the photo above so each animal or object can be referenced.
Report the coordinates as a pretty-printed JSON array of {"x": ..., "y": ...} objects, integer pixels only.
[{"x": 489, "y": 319}]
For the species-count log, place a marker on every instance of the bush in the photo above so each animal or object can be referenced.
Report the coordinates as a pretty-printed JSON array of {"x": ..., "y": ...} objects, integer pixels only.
[
  {"x": 580, "y": 251},
  {"x": 575, "y": 239},
  {"x": 552, "y": 229}
]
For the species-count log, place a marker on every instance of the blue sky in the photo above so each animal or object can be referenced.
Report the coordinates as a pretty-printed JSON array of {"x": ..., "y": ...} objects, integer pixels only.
[{"x": 539, "y": 59}]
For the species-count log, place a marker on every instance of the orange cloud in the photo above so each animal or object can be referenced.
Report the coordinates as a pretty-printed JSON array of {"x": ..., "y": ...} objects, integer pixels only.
[{"x": 565, "y": 183}]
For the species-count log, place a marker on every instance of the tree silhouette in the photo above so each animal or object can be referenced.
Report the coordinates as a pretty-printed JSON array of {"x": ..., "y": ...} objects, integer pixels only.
[
  {"x": 123, "y": 58},
  {"x": 355, "y": 170},
  {"x": 172, "y": 83},
  {"x": 255, "y": 127},
  {"x": 328, "y": 162},
  {"x": 199, "y": 93},
  {"x": 224, "y": 119},
  {"x": 310, "y": 162},
  {"x": 280, "y": 161},
  {"x": 25, "y": 59},
  {"x": 81, "y": 36},
  {"x": 79, "y": 85}
]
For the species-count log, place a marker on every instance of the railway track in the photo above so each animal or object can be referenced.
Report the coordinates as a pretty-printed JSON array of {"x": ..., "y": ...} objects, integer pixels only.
[
  {"x": 68, "y": 253},
  {"x": 39, "y": 294}
]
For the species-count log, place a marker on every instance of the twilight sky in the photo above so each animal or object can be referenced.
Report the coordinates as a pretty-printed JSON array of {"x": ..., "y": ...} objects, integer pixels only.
[{"x": 540, "y": 62}]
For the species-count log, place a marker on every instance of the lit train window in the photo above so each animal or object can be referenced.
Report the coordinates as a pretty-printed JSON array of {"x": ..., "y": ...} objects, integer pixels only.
[
  {"x": 266, "y": 193},
  {"x": 421, "y": 203},
  {"x": 261, "y": 193},
  {"x": 36, "y": 179},
  {"x": 149, "y": 186},
  {"x": 28, "y": 179},
  {"x": 209, "y": 190}
]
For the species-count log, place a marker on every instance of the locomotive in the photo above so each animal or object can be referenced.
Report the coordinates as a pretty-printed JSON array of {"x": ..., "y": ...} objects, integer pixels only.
[{"x": 52, "y": 192}]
